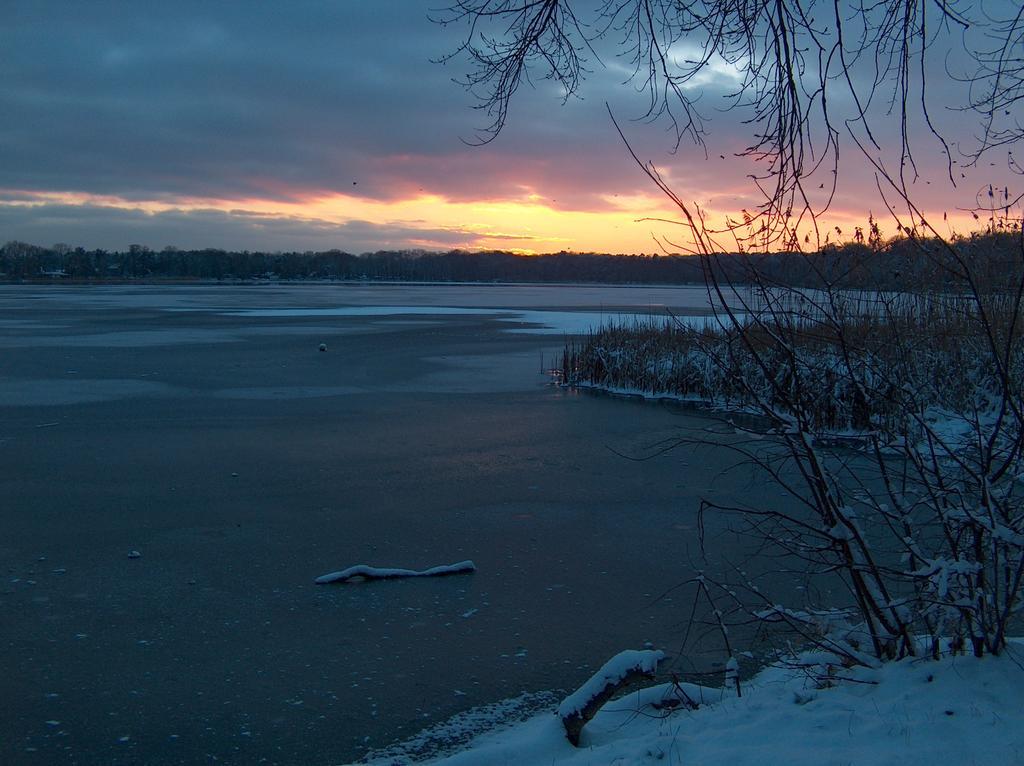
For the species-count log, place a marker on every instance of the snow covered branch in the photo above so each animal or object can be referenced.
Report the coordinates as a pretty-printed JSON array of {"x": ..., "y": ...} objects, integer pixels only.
[
  {"x": 620, "y": 671},
  {"x": 364, "y": 572}
]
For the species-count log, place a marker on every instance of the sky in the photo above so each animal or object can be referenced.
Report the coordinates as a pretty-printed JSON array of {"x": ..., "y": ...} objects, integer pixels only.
[{"x": 328, "y": 124}]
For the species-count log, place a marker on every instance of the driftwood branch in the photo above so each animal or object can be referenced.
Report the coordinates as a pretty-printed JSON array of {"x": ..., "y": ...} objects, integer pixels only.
[
  {"x": 619, "y": 672},
  {"x": 364, "y": 572}
]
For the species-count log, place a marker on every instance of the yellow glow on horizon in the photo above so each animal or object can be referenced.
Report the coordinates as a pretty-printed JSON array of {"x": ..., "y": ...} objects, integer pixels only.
[{"x": 526, "y": 225}]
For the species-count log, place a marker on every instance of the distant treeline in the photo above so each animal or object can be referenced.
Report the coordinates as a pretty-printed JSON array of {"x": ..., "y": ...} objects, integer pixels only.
[{"x": 897, "y": 264}]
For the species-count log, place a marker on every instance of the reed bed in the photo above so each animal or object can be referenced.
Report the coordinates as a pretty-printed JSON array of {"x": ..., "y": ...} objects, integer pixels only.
[{"x": 855, "y": 362}]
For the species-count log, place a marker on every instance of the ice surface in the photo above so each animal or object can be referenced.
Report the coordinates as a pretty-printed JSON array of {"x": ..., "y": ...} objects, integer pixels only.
[
  {"x": 550, "y": 322},
  {"x": 564, "y": 322},
  {"x": 271, "y": 393},
  {"x": 33, "y": 392}
]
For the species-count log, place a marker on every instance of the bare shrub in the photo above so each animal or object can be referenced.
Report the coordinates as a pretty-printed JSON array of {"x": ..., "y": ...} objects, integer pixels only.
[{"x": 923, "y": 522}]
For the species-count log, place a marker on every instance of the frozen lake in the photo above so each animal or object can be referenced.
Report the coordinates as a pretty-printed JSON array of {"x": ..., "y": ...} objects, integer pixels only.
[{"x": 201, "y": 426}]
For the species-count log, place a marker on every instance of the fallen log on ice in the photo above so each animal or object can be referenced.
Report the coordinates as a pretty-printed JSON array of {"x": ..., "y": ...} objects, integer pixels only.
[
  {"x": 364, "y": 572},
  {"x": 620, "y": 671}
]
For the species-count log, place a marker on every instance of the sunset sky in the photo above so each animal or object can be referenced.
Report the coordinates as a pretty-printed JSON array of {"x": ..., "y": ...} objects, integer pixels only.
[{"x": 318, "y": 125}]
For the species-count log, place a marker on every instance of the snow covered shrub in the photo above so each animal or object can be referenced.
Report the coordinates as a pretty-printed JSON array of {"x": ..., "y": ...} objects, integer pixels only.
[
  {"x": 918, "y": 511},
  {"x": 926, "y": 525}
]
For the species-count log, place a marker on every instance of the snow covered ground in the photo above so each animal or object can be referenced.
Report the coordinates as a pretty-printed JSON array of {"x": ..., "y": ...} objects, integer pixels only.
[{"x": 959, "y": 710}]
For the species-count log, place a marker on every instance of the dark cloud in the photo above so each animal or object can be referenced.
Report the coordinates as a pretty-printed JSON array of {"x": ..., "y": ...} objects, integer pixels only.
[
  {"x": 114, "y": 228},
  {"x": 234, "y": 100},
  {"x": 221, "y": 99},
  {"x": 225, "y": 99}
]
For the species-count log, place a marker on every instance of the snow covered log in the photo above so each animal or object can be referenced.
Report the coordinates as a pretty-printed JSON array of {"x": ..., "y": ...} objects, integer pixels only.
[
  {"x": 364, "y": 572},
  {"x": 620, "y": 671}
]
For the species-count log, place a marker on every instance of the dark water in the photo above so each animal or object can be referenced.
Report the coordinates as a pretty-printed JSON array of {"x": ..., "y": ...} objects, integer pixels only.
[{"x": 241, "y": 462}]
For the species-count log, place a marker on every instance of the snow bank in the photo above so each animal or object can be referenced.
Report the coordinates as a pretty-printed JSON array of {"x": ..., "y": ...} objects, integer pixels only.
[
  {"x": 387, "y": 573},
  {"x": 958, "y": 710}
]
